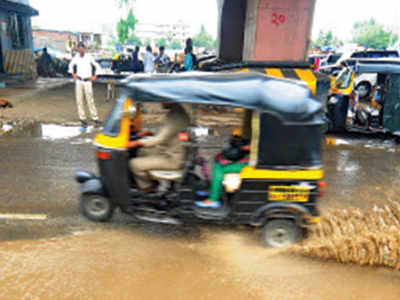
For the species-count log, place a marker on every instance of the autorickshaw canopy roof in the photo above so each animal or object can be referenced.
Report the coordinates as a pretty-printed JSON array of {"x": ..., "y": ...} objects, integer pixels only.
[
  {"x": 289, "y": 100},
  {"x": 383, "y": 66}
]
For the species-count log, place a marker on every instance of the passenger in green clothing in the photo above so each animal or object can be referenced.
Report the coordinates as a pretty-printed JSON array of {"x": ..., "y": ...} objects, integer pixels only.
[{"x": 231, "y": 160}]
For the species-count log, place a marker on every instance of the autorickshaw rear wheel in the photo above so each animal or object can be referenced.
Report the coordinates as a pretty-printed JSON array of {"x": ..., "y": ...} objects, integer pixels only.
[
  {"x": 278, "y": 233},
  {"x": 96, "y": 208}
]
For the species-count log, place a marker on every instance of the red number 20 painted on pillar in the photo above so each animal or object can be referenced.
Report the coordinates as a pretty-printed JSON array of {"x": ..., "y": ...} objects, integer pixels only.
[{"x": 278, "y": 19}]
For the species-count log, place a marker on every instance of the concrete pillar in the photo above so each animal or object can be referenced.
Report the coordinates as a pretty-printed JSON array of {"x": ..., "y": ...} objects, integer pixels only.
[
  {"x": 232, "y": 16},
  {"x": 269, "y": 30},
  {"x": 282, "y": 29}
]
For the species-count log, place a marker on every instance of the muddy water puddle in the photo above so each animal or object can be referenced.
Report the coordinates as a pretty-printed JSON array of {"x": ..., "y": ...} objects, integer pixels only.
[
  {"x": 50, "y": 132},
  {"x": 133, "y": 263},
  {"x": 143, "y": 261},
  {"x": 360, "y": 171},
  {"x": 369, "y": 142}
]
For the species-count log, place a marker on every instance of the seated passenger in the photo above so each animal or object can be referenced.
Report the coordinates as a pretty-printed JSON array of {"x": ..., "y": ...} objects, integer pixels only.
[
  {"x": 169, "y": 151},
  {"x": 231, "y": 160}
]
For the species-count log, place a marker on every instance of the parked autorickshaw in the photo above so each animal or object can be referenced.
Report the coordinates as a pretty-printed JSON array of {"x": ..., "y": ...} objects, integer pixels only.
[{"x": 377, "y": 112}]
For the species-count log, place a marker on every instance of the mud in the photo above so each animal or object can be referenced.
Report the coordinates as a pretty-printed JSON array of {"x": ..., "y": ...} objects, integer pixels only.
[
  {"x": 361, "y": 173},
  {"x": 68, "y": 257},
  {"x": 54, "y": 102},
  {"x": 361, "y": 237},
  {"x": 135, "y": 263}
]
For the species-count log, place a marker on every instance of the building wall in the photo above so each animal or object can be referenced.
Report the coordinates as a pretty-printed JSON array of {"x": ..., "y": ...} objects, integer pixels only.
[
  {"x": 178, "y": 31},
  {"x": 53, "y": 39}
]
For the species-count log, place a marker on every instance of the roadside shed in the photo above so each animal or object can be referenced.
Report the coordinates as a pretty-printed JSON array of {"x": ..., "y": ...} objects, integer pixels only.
[{"x": 16, "y": 42}]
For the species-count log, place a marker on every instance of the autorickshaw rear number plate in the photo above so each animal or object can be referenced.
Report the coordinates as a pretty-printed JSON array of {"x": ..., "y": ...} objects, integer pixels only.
[{"x": 288, "y": 193}]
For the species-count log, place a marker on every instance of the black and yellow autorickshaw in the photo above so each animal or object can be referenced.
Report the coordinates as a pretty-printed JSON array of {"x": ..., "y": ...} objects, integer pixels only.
[
  {"x": 279, "y": 189},
  {"x": 374, "y": 112}
]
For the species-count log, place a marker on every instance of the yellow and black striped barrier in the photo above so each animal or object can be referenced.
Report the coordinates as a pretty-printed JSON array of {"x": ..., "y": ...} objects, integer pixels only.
[
  {"x": 316, "y": 82},
  {"x": 18, "y": 61}
]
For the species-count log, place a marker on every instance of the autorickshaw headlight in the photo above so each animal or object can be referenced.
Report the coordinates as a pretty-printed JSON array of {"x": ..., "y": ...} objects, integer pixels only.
[
  {"x": 232, "y": 182},
  {"x": 333, "y": 100}
]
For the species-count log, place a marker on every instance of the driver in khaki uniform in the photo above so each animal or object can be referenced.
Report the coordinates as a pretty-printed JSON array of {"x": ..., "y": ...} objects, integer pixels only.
[{"x": 169, "y": 152}]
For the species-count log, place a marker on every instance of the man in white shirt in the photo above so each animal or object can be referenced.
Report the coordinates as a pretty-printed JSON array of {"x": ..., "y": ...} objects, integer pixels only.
[
  {"x": 83, "y": 69},
  {"x": 162, "y": 61},
  {"x": 148, "y": 60}
]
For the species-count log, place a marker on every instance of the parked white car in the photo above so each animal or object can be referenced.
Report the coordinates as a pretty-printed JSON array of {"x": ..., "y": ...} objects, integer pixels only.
[{"x": 363, "y": 83}]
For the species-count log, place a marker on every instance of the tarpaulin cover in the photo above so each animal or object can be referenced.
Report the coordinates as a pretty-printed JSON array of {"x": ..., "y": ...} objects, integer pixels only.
[{"x": 288, "y": 100}]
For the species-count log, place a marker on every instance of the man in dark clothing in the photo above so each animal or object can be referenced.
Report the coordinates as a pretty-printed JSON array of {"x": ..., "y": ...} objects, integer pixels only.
[
  {"x": 45, "y": 65},
  {"x": 135, "y": 62}
]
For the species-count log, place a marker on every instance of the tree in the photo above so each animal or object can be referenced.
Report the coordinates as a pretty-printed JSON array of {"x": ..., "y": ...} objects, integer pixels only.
[
  {"x": 122, "y": 31},
  {"x": 147, "y": 42},
  {"x": 135, "y": 40},
  {"x": 203, "y": 39},
  {"x": 326, "y": 39},
  {"x": 125, "y": 3},
  {"x": 175, "y": 45},
  {"x": 161, "y": 42},
  {"x": 126, "y": 26},
  {"x": 371, "y": 34}
]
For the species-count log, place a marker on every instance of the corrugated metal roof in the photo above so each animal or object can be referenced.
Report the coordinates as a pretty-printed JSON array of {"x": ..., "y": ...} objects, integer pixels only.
[{"x": 19, "y": 7}]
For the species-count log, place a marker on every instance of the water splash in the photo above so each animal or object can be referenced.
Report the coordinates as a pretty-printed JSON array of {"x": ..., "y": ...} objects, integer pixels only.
[{"x": 354, "y": 236}]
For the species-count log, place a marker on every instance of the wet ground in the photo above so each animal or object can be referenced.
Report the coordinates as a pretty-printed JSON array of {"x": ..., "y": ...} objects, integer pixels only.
[{"x": 63, "y": 256}]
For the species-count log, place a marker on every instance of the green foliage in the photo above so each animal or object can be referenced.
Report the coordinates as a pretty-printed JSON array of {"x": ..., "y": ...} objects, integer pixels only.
[
  {"x": 371, "y": 34},
  {"x": 326, "y": 39},
  {"x": 122, "y": 31},
  {"x": 147, "y": 42},
  {"x": 131, "y": 20},
  {"x": 161, "y": 42},
  {"x": 135, "y": 40},
  {"x": 126, "y": 27},
  {"x": 175, "y": 45},
  {"x": 204, "y": 39},
  {"x": 126, "y": 3}
]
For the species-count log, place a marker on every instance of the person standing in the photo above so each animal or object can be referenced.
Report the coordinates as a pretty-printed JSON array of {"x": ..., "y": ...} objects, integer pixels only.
[
  {"x": 162, "y": 61},
  {"x": 45, "y": 65},
  {"x": 148, "y": 60},
  {"x": 188, "y": 63},
  {"x": 83, "y": 69},
  {"x": 189, "y": 45},
  {"x": 135, "y": 61}
]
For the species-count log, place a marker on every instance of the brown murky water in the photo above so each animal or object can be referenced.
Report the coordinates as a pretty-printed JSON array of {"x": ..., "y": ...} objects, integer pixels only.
[
  {"x": 123, "y": 260},
  {"x": 361, "y": 172},
  {"x": 215, "y": 264}
]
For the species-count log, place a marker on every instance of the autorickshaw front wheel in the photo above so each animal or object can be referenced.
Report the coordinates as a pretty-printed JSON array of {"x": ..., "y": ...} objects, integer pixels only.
[
  {"x": 278, "y": 233},
  {"x": 96, "y": 208}
]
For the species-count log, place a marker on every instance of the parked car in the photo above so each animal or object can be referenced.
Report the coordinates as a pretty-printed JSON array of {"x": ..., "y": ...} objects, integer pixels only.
[
  {"x": 330, "y": 59},
  {"x": 334, "y": 63},
  {"x": 363, "y": 83},
  {"x": 315, "y": 60}
]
